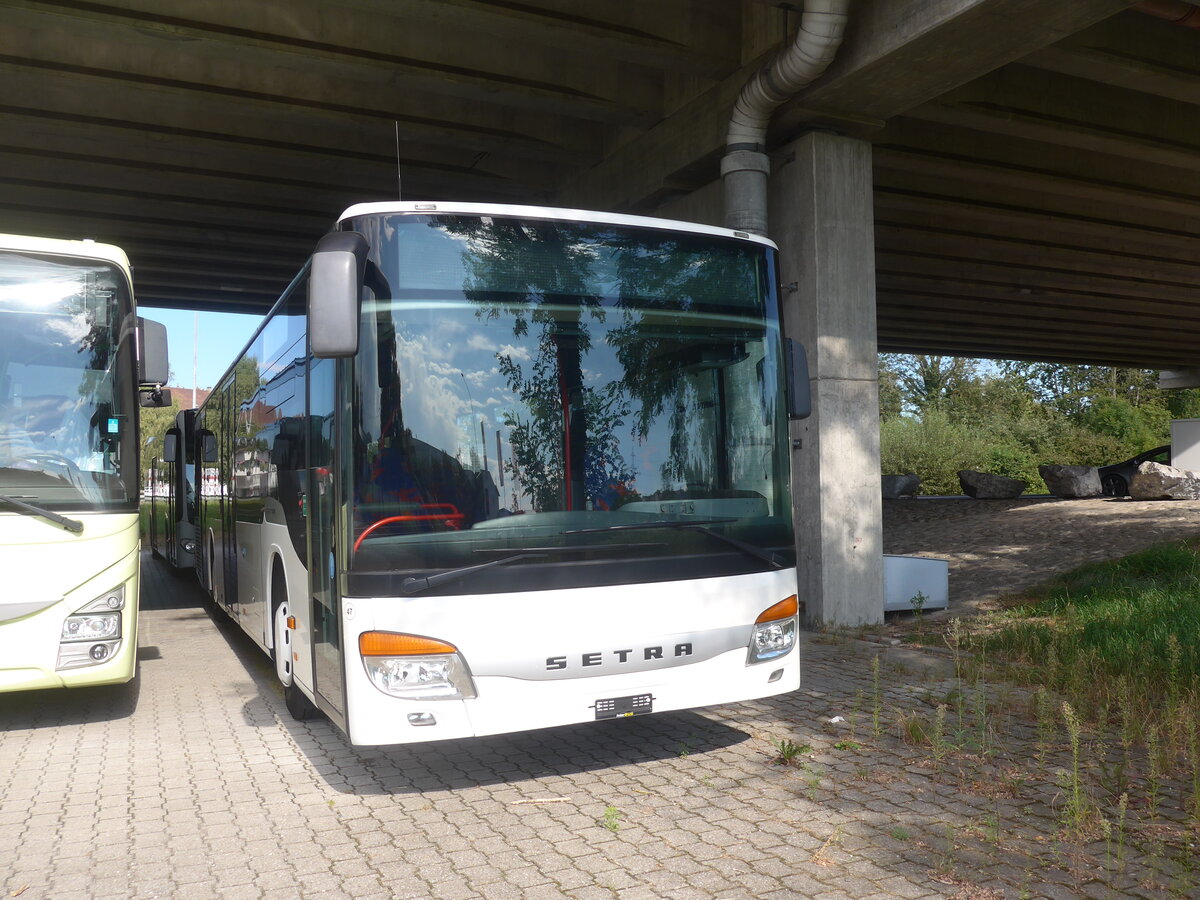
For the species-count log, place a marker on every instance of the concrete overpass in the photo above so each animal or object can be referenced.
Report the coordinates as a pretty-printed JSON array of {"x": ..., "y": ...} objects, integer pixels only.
[{"x": 1001, "y": 178}]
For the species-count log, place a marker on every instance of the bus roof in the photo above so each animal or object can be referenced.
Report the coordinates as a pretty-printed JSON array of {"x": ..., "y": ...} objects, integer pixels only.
[
  {"x": 543, "y": 212},
  {"x": 85, "y": 248}
]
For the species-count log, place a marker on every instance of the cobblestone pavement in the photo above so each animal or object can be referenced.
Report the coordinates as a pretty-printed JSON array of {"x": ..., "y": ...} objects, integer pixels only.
[
  {"x": 995, "y": 547},
  {"x": 193, "y": 782}
]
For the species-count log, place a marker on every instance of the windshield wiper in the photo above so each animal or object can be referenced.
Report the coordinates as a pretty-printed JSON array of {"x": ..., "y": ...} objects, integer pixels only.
[
  {"x": 701, "y": 526},
  {"x": 415, "y": 585},
  {"x": 72, "y": 525}
]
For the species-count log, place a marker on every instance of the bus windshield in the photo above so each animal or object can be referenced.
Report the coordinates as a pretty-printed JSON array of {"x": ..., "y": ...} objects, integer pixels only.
[
  {"x": 66, "y": 383},
  {"x": 573, "y": 403}
]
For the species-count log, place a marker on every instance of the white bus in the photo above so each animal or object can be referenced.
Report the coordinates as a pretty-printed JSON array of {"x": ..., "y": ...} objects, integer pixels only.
[
  {"x": 490, "y": 468},
  {"x": 70, "y": 373}
]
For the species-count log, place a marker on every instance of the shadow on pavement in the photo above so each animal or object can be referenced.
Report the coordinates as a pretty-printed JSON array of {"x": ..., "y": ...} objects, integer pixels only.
[
  {"x": 512, "y": 758},
  {"x": 56, "y": 707},
  {"x": 444, "y": 765}
]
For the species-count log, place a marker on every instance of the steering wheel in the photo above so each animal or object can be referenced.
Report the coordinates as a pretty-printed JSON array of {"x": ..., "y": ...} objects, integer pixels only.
[{"x": 451, "y": 518}]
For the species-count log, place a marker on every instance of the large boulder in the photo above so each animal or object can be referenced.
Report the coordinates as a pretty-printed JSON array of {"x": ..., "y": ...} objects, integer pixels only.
[
  {"x": 983, "y": 486},
  {"x": 1072, "y": 482},
  {"x": 1154, "y": 481},
  {"x": 896, "y": 486}
]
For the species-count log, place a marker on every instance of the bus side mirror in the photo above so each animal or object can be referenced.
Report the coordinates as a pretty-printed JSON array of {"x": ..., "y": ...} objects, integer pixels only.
[
  {"x": 799, "y": 392},
  {"x": 334, "y": 287},
  {"x": 154, "y": 398},
  {"x": 170, "y": 451},
  {"x": 152, "y": 352},
  {"x": 208, "y": 447}
]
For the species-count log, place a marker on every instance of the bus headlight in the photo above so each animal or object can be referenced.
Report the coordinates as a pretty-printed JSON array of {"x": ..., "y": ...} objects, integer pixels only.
[
  {"x": 100, "y": 627},
  {"x": 92, "y": 634},
  {"x": 774, "y": 632},
  {"x": 414, "y": 667}
]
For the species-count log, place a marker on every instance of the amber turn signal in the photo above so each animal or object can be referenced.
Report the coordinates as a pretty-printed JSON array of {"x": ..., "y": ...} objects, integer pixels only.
[
  {"x": 784, "y": 609},
  {"x": 389, "y": 643}
]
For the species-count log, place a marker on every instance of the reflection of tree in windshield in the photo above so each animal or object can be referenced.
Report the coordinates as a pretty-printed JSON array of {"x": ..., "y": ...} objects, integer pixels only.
[
  {"x": 536, "y": 441},
  {"x": 671, "y": 360},
  {"x": 565, "y": 451}
]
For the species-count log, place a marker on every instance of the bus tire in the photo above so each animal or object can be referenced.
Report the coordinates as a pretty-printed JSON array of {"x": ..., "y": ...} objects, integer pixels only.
[{"x": 299, "y": 706}]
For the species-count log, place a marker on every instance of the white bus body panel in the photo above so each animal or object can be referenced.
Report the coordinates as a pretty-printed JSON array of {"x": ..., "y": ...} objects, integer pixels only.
[
  {"x": 508, "y": 639},
  {"x": 50, "y": 573}
]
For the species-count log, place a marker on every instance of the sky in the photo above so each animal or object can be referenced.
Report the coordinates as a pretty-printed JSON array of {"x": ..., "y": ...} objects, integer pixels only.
[{"x": 219, "y": 338}]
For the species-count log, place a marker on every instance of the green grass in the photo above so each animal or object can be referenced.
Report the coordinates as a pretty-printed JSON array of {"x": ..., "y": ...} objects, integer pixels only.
[{"x": 1136, "y": 617}]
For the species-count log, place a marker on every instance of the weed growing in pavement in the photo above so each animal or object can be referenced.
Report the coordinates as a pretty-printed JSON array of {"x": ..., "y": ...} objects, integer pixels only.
[
  {"x": 876, "y": 698},
  {"x": 1075, "y": 803},
  {"x": 1114, "y": 768},
  {"x": 1193, "y": 752},
  {"x": 612, "y": 818},
  {"x": 855, "y": 711},
  {"x": 788, "y": 752},
  {"x": 847, "y": 745},
  {"x": 812, "y": 779},
  {"x": 1154, "y": 775},
  {"x": 900, "y": 833},
  {"x": 982, "y": 724},
  {"x": 990, "y": 827},
  {"x": 945, "y": 860},
  {"x": 1047, "y": 723},
  {"x": 912, "y": 727},
  {"x": 821, "y": 857},
  {"x": 937, "y": 738}
]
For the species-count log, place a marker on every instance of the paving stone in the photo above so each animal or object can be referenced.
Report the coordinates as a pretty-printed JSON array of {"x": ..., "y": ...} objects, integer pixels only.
[{"x": 205, "y": 787}]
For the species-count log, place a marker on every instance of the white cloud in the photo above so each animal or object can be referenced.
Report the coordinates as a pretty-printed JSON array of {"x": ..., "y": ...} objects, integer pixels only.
[{"x": 515, "y": 353}]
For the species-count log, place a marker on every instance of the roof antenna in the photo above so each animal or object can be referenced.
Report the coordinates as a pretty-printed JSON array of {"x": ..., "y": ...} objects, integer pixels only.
[{"x": 399, "y": 179}]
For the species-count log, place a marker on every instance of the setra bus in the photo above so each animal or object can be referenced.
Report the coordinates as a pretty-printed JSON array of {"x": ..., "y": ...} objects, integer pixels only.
[
  {"x": 490, "y": 468},
  {"x": 73, "y": 357}
]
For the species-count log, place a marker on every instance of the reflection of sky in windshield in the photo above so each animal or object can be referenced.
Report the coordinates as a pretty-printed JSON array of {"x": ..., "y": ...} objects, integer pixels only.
[
  {"x": 64, "y": 427},
  {"x": 447, "y": 357},
  {"x": 506, "y": 330}
]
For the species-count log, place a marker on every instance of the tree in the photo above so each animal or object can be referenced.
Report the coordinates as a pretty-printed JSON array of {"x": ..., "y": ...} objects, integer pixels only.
[
  {"x": 153, "y": 423},
  {"x": 891, "y": 395},
  {"x": 930, "y": 382}
]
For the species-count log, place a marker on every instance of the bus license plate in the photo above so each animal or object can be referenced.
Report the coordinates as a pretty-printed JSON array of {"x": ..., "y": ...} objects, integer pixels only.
[{"x": 623, "y": 707}]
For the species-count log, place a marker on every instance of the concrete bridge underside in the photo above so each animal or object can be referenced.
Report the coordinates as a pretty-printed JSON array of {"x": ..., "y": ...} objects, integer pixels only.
[{"x": 1009, "y": 178}]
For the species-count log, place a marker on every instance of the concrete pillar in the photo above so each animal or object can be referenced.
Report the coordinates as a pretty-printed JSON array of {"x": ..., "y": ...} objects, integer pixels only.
[{"x": 822, "y": 218}]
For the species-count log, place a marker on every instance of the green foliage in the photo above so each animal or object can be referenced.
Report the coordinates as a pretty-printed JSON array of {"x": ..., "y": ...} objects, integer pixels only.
[
  {"x": 935, "y": 448},
  {"x": 891, "y": 395},
  {"x": 1010, "y": 418},
  {"x": 154, "y": 423}
]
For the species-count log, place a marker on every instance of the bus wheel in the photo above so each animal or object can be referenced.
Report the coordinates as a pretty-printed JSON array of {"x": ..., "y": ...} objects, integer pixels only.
[{"x": 300, "y": 707}]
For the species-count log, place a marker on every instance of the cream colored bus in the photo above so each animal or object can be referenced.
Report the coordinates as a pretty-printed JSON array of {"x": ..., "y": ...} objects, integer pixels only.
[{"x": 73, "y": 359}]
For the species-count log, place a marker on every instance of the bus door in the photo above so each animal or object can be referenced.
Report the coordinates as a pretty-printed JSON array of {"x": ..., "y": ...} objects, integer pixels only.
[
  {"x": 328, "y": 679},
  {"x": 228, "y": 542},
  {"x": 170, "y": 483}
]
